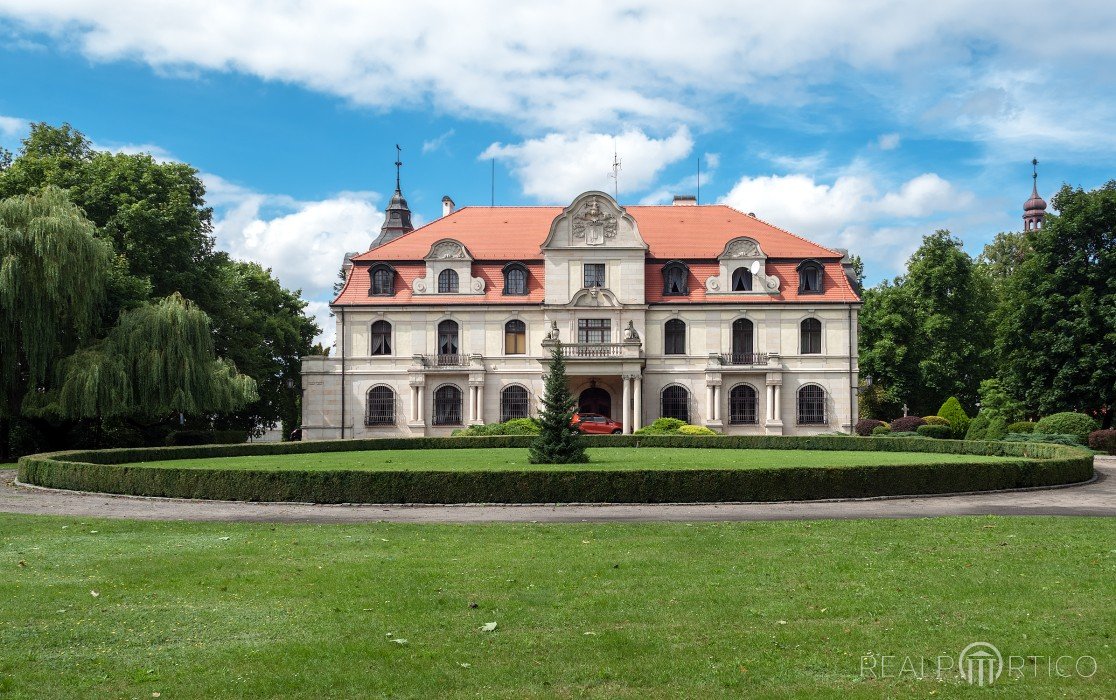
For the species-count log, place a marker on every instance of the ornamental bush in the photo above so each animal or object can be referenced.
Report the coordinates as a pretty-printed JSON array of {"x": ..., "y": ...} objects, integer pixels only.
[
  {"x": 941, "y": 432},
  {"x": 662, "y": 426},
  {"x": 1103, "y": 441},
  {"x": 906, "y": 424},
  {"x": 881, "y": 430},
  {"x": 867, "y": 426},
  {"x": 936, "y": 420},
  {"x": 516, "y": 426},
  {"x": 953, "y": 412},
  {"x": 1023, "y": 426},
  {"x": 695, "y": 430},
  {"x": 997, "y": 429},
  {"x": 1070, "y": 423},
  {"x": 978, "y": 427}
]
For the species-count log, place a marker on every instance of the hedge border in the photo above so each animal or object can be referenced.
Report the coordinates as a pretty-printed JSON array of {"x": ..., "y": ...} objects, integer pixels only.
[{"x": 115, "y": 471}]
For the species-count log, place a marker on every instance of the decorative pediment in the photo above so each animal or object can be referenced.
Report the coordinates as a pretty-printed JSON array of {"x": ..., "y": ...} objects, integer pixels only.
[
  {"x": 595, "y": 297},
  {"x": 448, "y": 249},
  {"x": 742, "y": 248},
  {"x": 594, "y": 220}
]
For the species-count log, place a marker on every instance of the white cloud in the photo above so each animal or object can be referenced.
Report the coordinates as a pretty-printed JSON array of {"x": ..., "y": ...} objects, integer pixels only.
[
  {"x": 12, "y": 129},
  {"x": 438, "y": 142},
  {"x": 584, "y": 64},
  {"x": 302, "y": 242},
  {"x": 853, "y": 213},
  {"x": 557, "y": 167},
  {"x": 888, "y": 142}
]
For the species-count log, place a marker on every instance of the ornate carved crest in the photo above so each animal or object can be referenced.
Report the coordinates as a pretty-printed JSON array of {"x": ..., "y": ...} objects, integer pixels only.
[
  {"x": 742, "y": 248},
  {"x": 447, "y": 250},
  {"x": 593, "y": 223}
]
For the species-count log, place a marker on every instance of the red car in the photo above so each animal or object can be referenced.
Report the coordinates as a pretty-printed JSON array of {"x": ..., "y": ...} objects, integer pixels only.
[{"x": 596, "y": 424}]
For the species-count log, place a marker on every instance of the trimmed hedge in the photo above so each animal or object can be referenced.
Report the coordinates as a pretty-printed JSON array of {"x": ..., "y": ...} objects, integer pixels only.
[
  {"x": 1069, "y": 422},
  {"x": 1023, "y": 426},
  {"x": 114, "y": 471},
  {"x": 936, "y": 430},
  {"x": 937, "y": 420}
]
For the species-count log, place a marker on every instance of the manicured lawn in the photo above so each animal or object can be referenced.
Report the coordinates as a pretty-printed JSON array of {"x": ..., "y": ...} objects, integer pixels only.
[
  {"x": 784, "y": 609},
  {"x": 621, "y": 458}
]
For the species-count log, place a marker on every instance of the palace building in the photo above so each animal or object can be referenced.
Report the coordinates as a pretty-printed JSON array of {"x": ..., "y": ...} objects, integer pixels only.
[{"x": 697, "y": 312}]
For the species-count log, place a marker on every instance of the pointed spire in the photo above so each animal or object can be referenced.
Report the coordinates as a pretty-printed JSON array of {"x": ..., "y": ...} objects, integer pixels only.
[
  {"x": 397, "y": 216},
  {"x": 1034, "y": 209}
]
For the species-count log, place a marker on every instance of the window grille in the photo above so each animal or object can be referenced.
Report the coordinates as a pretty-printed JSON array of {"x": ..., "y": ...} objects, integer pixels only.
[
  {"x": 447, "y": 405},
  {"x": 742, "y": 405},
  {"x": 811, "y": 405},
  {"x": 514, "y": 403},
  {"x": 676, "y": 403},
  {"x": 381, "y": 406}
]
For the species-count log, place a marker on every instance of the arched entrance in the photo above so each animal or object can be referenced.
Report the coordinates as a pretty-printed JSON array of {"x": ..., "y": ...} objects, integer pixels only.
[{"x": 595, "y": 400}]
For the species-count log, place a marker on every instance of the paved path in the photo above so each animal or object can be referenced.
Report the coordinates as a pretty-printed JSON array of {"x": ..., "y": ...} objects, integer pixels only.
[{"x": 1097, "y": 498}]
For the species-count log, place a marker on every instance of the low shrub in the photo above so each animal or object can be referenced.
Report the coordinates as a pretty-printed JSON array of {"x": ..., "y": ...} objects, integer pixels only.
[
  {"x": 1103, "y": 441},
  {"x": 516, "y": 426},
  {"x": 953, "y": 412},
  {"x": 866, "y": 426},
  {"x": 884, "y": 429},
  {"x": 935, "y": 420},
  {"x": 662, "y": 426},
  {"x": 978, "y": 427},
  {"x": 1053, "y": 438},
  {"x": 1023, "y": 426},
  {"x": 695, "y": 430},
  {"x": 906, "y": 424},
  {"x": 997, "y": 429},
  {"x": 1069, "y": 422},
  {"x": 939, "y": 431}
]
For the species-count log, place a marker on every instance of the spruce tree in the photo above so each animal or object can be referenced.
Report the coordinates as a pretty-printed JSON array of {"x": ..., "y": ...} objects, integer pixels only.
[{"x": 559, "y": 442}]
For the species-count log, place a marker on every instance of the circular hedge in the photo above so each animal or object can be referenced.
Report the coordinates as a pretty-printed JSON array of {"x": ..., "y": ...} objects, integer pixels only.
[{"x": 114, "y": 471}]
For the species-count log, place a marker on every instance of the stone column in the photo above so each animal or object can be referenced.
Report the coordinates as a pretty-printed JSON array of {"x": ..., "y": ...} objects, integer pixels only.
[
  {"x": 637, "y": 403},
  {"x": 472, "y": 405},
  {"x": 627, "y": 412},
  {"x": 710, "y": 406},
  {"x": 717, "y": 402},
  {"x": 480, "y": 403},
  {"x": 421, "y": 403},
  {"x": 778, "y": 390}
]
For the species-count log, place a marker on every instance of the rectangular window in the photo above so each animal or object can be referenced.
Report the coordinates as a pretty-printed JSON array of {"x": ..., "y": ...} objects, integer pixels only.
[
  {"x": 594, "y": 330},
  {"x": 594, "y": 275}
]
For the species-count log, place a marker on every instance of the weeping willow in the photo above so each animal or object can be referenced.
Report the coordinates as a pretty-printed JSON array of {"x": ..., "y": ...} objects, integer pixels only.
[
  {"x": 157, "y": 360},
  {"x": 52, "y": 281}
]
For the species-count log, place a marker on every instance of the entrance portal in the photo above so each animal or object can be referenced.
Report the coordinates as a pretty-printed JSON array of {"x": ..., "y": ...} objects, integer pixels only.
[{"x": 595, "y": 400}]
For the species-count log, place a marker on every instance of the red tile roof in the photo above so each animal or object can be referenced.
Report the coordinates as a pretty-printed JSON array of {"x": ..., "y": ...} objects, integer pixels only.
[{"x": 695, "y": 234}]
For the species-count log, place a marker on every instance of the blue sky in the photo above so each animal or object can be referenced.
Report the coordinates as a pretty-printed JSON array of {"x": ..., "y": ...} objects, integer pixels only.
[{"x": 861, "y": 126}]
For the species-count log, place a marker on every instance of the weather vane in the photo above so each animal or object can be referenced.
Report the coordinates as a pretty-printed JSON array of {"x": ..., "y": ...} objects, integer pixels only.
[
  {"x": 398, "y": 163},
  {"x": 1034, "y": 169},
  {"x": 615, "y": 175}
]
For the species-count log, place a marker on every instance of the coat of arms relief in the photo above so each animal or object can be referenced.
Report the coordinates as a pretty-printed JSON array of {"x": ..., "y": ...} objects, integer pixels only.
[{"x": 593, "y": 223}]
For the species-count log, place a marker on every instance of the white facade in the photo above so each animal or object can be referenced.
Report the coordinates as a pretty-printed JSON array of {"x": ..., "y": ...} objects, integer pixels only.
[{"x": 624, "y": 353}]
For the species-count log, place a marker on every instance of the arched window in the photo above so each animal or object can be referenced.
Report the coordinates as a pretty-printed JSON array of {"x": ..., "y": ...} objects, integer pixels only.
[
  {"x": 742, "y": 349},
  {"x": 383, "y": 281},
  {"x": 676, "y": 403},
  {"x": 515, "y": 280},
  {"x": 811, "y": 336},
  {"x": 447, "y": 405},
  {"x": 513, "y": 403},
  {"x": 811, "y": 405},
  {"x": 447, "y": 282},
  {"x": 810, "y": 277},
  {"x": 675, "y": 280},
  {"x": 674, "y": 337},
  {"x": 381, "y": 338},
  {"x": 742, "y": 405},
  {"x": 447, "y": 342},
  {"x": 741, "y": 280},
  {"x": 515, "y": 337},
  {"x": 381, "y": 406}
]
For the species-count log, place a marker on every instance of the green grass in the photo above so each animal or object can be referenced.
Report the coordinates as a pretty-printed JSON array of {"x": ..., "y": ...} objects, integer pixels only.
[
  {"x": 614, "y": 458},
  {"x": 784, "y": 609}
]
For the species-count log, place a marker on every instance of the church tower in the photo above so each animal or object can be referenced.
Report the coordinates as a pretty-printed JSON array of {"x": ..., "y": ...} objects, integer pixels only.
[
  {"x": 397, "y": 219},
  {"x": 1034, "y": 209}
]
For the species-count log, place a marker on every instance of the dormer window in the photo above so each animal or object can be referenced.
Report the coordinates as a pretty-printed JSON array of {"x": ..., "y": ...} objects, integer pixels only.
[
  {"x": 447, "y": 282},
  {"x": 810, "y": 277},
  {"x": 515, "y": 279},
  {"x": 741, "y": 280},
  {"x": 676, "y": 279},
  {"x": 383, "y": 281}
]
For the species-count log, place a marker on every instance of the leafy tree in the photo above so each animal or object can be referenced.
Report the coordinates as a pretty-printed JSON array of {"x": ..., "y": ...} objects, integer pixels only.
[
  {"x": 157, "y": 361},
  {"x": 1003, "y": 256},
  {"x": 927, "y": 336},
  {"x": 1058, "y": 327},
  {"x": 559, "y": 442},
  {"x": 995, "y": 402},
  {"x": 53, "y": 279}
]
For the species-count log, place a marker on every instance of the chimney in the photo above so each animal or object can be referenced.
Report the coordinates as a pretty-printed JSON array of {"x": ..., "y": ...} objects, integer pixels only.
[
  {"x": 447, "y": 206},
  {"x": 685, "y": 200}
]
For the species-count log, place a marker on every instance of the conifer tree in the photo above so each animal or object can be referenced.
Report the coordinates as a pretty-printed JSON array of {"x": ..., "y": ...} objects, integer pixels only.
[{"x": 559, "y": 442}]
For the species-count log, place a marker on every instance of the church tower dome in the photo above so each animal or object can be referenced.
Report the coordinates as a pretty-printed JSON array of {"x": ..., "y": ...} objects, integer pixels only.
[
  {"x": 1034, "y": 209},
  {"x": 397, "y": 216}
]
